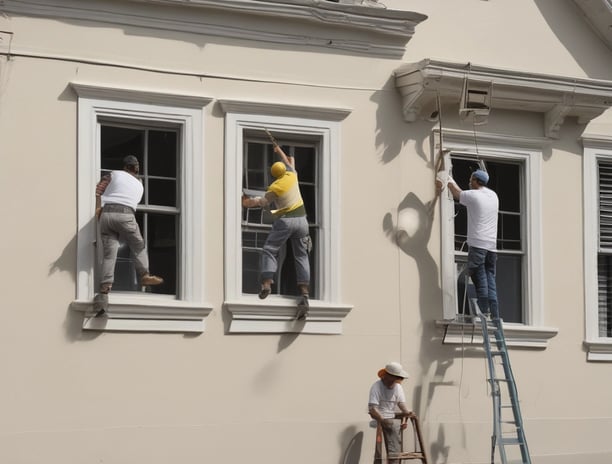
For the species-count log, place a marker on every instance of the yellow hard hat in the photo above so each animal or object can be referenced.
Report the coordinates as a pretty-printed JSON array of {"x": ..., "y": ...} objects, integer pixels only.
[{"x": 278, "y": 169}]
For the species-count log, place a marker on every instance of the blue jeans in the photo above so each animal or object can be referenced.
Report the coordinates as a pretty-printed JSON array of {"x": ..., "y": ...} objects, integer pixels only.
[
  {"x": 284, "y": 229},
  {"x": 481, "y": 268}
]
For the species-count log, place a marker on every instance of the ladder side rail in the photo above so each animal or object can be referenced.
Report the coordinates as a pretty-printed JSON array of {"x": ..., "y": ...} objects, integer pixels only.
[
  {"x": 495, "y": 389},
  {"x": 500, "y": 340}
]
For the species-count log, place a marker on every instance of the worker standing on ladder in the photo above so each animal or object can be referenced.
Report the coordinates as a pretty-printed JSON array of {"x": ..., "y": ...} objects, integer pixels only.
[
  {"x": 386, "y": 396},
  {"x": 482, "y": 206}
]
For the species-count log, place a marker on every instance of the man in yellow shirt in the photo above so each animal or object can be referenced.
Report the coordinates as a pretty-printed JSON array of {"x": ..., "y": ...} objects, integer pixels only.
[{"x": 290, "y": 223}]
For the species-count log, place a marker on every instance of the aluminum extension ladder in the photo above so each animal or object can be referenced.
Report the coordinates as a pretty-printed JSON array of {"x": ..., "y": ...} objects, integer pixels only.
[{"x": 508, "y": 427}]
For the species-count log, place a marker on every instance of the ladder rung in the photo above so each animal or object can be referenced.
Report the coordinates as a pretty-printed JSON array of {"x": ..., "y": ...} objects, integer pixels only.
[
  {"x": 510, "y": 441},
  {"x": 499, "y": 379}
]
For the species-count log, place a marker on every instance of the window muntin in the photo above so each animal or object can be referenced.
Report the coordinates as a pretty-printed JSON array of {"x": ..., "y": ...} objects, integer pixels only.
[
  {"x": 158, "y": 214},
  {"x": 258, "y": 156},
  {"x": 506, "y": 179}
]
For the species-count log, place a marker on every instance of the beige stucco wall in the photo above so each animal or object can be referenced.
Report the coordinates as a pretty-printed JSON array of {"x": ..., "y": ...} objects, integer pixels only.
[{"x": 70, "y": 396}]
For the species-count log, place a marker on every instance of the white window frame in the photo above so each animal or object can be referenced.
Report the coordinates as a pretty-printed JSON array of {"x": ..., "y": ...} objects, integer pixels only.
[
  {"x": 131, "y": 311},
  {"x": 527, "y": 151},
  {"x": 596, "y": 148},
  {"x": 276, "y": 314}
]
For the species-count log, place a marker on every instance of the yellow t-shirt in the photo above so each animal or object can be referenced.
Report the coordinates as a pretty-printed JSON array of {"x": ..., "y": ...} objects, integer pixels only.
[{"x": 287, "y": 191}]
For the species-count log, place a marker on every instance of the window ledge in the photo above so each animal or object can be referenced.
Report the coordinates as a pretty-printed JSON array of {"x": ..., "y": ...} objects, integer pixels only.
[
  {"x": 138, "y": 313},
  {"x": 599, "y": 350},
  {"x": 277, "y": 315},
  {"x": 517, "y": 335}
]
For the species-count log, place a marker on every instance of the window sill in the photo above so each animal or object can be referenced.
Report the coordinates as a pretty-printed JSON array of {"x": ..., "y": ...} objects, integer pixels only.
[
  {"x": 517, "y": 335},
  {"x": 277, "y": 315},
  {"x": 145, "y": 313},
  {"x": 599, "y": 350}
]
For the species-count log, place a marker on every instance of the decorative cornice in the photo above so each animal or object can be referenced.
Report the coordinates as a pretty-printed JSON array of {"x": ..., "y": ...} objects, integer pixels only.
[
  {"x": 279, "y": 109},
  {"x": 139, "y": 95},
  {"x": 339, "y": 26},
  {"x": 556, "y": 97}
]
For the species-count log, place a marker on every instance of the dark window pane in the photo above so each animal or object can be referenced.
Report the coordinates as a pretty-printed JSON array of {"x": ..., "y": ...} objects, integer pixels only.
[
  {"x": 509, "y": 287},
  {"x": 509, "y": 232},
  {"x": 505, "y": 180},
  {"x": 117, "y": 143},
  {"x": 161, "y": 192},
  {"x": 162, "y": 153},
  {"x": 162, "y": 231}
]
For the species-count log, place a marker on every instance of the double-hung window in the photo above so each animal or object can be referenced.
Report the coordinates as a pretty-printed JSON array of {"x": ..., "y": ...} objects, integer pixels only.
[
  {"x": 312, "y": 136},
  {"x": 159, "y": 215},
  {"x": 598, "y": 247},
  {"x": 258, "y": 156},
  {"x": 513, "y": 165},
  {"x": 165, "y": 133},
  {"x": 506, "y": 180}
]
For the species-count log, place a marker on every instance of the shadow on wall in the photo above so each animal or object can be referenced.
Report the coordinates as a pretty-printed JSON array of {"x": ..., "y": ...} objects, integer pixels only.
[
  {"x": 390, "y": 123},
  {"x": 352, "y": 451},
  {"x": 410, "y": 230},
  {"x": 569, "y": 25},
  {"x": 66, "y": 262}
]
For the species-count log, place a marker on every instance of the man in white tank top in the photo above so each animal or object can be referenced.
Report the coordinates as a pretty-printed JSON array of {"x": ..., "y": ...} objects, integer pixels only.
[
  {"x": 117, "y": 196},
  {"x": 482, "y": 210}
]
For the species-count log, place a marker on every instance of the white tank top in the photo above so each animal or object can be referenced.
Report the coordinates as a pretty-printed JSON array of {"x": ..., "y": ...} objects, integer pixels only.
[{"x": 124, "y": 189}]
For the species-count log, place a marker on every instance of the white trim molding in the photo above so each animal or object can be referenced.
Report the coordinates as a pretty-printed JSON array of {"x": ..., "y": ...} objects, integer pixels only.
[
  {"x": 528, "y": 151},
  {"x": 275, "y": 314},
  {"x": 596, "y": 147},
  {"x": 340, "y": 26},
  {"x": 556, "y": 97},
  {"x": 143, "y": 311},
  {"x": 517, "y": 335}
]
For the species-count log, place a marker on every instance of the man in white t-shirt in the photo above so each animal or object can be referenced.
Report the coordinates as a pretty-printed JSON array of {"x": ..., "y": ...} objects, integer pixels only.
[
  {"x": 385, "y": 401},
  {"x": 117, "y": 196},
  {"x": 482, "y": 210}
]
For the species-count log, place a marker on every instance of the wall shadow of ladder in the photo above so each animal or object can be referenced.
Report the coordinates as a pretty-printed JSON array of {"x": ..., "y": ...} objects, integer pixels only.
[
  {"x": 508, "y": 429},
  {"x": 418, "y": 452}
]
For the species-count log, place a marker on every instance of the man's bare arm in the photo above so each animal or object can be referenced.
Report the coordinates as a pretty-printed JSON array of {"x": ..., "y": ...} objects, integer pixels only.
[{"x": 290, "y": 160}]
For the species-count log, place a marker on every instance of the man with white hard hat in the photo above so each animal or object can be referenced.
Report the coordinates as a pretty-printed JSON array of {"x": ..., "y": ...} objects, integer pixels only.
[{"x": 386, "y": 398}]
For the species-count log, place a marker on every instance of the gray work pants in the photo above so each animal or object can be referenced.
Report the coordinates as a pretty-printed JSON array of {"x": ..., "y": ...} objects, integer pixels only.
[
  {"x": 113, "y": 228},
  {"x": 284, "y": 229}
]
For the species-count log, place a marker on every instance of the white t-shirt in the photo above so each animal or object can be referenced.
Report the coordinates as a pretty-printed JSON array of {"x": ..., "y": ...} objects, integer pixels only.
[
  {"x": 386, "y": 399},
  {"x": 482, "y": 208},
  {"x": 123, "y": 189}
]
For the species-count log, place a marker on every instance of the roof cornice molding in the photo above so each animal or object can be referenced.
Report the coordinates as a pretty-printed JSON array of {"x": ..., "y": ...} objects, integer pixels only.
[
  {"x": 159, "y": 97},
  {"x": 556, "y": 97},
  {"x": 351, "y": 28},
  {"x": 284, "y": 110}
]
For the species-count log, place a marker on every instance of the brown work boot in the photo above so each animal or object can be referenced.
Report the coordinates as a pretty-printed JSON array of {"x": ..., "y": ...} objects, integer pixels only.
[
  {"x": 149, "y": 279},
  {"x": 266, "y": 288}
]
